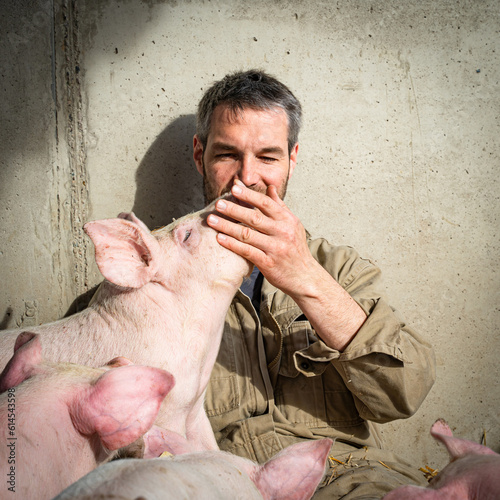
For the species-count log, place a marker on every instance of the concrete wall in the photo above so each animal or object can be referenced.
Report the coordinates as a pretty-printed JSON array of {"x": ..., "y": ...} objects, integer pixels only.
[{"x": 398, "y": 154}]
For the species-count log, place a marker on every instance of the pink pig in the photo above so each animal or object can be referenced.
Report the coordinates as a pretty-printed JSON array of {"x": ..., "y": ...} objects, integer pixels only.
[
  {"x": 293, "y": 474},
  {"x": 472, "y": 474},
  {"x": 59, "y": 421},
  {"x": 162, "y": 304}
]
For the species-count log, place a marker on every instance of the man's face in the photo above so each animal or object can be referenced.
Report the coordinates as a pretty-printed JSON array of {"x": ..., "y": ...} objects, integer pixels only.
[{"x": 251, "y": 146}]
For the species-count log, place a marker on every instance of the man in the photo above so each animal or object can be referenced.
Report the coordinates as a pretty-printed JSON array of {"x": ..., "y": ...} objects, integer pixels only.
[{"x": 310, "y": 348}]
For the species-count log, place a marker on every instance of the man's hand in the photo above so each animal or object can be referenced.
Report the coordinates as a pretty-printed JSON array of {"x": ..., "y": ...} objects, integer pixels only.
[
  {"x": 270, "y": 235},
  {"x": 273, "y": 238}
]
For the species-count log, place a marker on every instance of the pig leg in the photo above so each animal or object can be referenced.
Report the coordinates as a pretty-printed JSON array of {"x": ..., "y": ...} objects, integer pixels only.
[
  {"x": 158, "y": 441},
  {"x": 457, "y": 447},
  {"x": 472, "y": 473},
  {"x": 154, "y": 443}
]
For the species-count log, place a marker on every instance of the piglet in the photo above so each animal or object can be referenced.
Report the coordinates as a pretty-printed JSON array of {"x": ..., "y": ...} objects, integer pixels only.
[
  {"x": 293, "y": 474},
  {"x": 59, "y": 421},
  {"x": 472, "y": 474},
  {"x": 163, "y": 303}
]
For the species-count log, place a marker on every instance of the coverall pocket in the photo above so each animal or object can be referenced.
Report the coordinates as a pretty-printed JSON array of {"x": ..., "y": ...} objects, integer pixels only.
[
  {"x": 297, "y": 337},
  {"x": 314, "y": 400}
]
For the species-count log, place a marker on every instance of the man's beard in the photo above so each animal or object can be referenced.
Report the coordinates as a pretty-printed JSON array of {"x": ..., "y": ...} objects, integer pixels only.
[{"x": 210, "y": 192}]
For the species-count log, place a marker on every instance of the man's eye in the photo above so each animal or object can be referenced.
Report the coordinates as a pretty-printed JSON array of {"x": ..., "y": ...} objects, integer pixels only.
[
  {"x": 269, "y": 159},
  {"x": 187, "y": 235}
]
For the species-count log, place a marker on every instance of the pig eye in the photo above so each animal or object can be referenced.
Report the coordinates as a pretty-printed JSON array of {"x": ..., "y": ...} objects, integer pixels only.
[{"x": 187, "y": 235}]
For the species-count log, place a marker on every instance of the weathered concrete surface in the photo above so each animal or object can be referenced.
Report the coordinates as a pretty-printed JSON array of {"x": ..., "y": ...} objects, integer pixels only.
[{"x": 398, "y": 154}]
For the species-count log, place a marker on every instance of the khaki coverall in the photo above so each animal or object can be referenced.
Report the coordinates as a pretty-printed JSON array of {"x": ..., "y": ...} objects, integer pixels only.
[{"x": 275, "y": 382}]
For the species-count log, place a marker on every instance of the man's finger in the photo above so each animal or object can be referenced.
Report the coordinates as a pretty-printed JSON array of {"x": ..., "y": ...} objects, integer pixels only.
[
  {"x": 249, "y": 252},
  {"x": 258, "y": 200},
  {"x": 272, "y": 192},
  {"x": 239, "y": 232},
  {"x": 251, "y": 217}
]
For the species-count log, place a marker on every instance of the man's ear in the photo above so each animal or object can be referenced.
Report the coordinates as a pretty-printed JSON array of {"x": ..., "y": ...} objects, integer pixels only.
[
  {"x": 198, "y": 154},
  {"x": 293, "y": 159}
]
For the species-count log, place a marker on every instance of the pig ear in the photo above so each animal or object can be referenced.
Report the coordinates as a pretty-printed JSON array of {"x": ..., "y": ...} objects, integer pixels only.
[
  {"x": 295, "y": 472},
  {"x": 126, "y": 252},
  {"x": 133, "y": 218},
  {"x": 122, "y": 405},
  {"x": 23, "y": 364},
  {"x": 457, "y": 447}
]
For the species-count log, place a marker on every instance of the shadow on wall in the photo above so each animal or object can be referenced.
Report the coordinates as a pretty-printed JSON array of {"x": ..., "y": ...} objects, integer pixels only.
[
  {"x": 168, "y": 184},
  {"x": 4, "y": 322}
]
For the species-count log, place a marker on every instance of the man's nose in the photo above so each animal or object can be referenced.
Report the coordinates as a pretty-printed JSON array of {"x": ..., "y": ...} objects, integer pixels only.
[{"x": 247, "y": 172}]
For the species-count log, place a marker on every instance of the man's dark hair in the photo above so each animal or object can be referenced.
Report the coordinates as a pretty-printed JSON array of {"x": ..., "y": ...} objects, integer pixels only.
[{"x": 249, "y": 89}]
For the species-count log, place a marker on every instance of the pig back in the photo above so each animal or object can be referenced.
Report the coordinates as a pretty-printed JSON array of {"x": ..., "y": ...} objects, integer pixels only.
[{"x": 171, "y": 478}]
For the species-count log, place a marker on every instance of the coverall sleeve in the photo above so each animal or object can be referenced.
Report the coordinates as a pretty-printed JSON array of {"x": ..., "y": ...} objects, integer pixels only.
[{"x": 388, "y": 367}]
